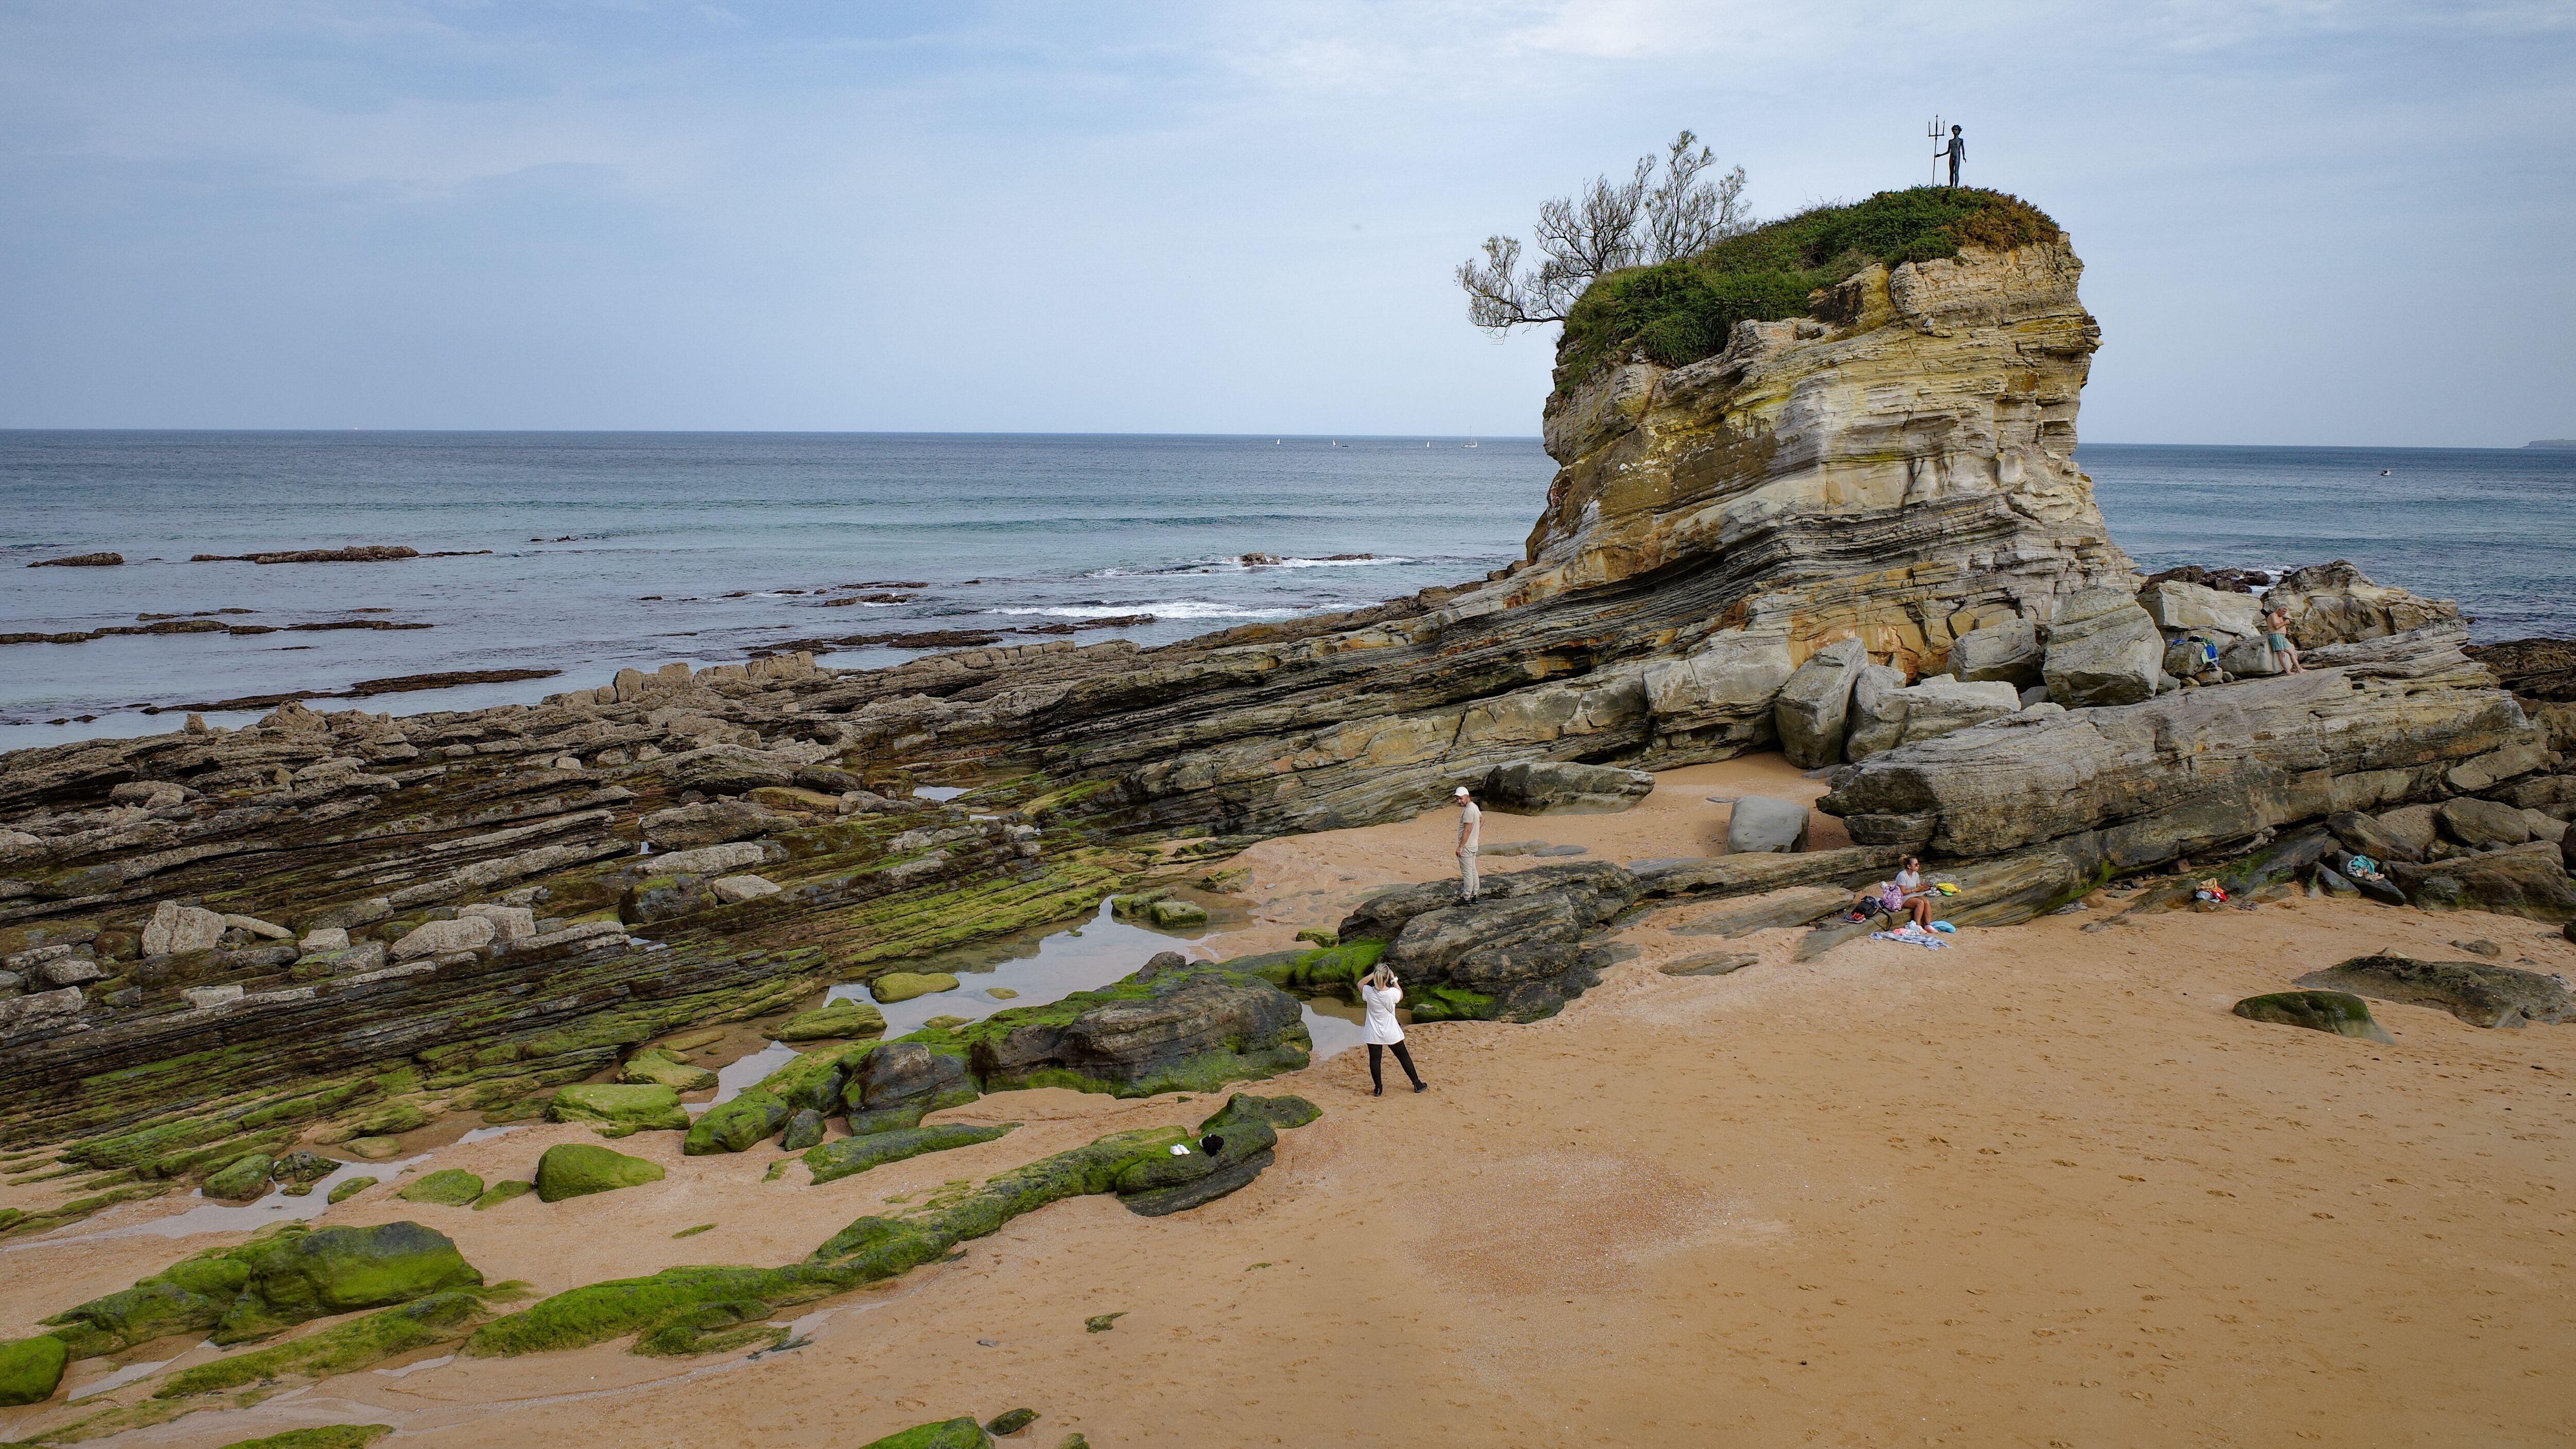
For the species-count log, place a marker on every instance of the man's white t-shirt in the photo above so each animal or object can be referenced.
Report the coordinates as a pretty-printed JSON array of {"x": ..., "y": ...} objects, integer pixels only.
[{"x": 1470, "y": 821}]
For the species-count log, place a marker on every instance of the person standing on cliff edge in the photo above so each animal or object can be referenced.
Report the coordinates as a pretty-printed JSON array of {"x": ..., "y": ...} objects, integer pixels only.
[
  {"x": 1469, "y": 817},
  {"x": 1957, "y": 152}
]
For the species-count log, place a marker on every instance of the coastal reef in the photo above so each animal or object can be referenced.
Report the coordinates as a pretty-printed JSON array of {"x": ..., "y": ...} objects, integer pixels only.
[{"x": 1847, "y": 522}]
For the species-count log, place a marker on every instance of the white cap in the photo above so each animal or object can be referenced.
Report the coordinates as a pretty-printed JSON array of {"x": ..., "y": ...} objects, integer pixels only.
[{"x": 1462, "y": 792}]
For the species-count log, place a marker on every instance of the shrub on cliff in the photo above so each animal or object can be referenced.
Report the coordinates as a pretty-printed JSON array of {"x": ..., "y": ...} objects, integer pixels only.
[{"x": 1678, "y": 312}]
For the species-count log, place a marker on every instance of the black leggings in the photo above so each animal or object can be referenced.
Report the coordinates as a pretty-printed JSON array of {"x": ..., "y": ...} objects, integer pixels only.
[{"x": 1377, "y": 1064}]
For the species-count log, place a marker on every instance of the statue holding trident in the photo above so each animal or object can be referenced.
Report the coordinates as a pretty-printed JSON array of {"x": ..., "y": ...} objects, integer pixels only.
[{"x": 1957, "y": 151}]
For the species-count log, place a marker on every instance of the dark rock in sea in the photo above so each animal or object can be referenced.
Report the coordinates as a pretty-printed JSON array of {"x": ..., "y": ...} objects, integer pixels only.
[
  {"x": 2477, "y": 992},
  {"x": 1553, "y": 787},
  {"x": 1758, "y": 826},
  {"x": 367, "y": 553},
  {"x": 2337, "y": 1012},
  {"x": 80, "y": 561},
  {"x": 2535, "y": 669}
]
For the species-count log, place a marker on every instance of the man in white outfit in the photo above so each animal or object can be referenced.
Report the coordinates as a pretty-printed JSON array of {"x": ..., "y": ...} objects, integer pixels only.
[{"x": 1468, "y": 819}]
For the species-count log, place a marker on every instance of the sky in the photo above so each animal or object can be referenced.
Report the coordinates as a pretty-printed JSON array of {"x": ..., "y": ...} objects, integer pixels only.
[{"x": 2302, "y": 222}]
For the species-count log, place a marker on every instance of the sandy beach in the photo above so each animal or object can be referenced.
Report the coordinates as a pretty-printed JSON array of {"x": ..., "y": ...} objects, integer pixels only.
[{"x": 2038, "y": 1188}]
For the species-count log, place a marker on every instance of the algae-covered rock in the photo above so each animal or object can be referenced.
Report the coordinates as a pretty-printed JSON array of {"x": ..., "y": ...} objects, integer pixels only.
[
  {"x": 661, "y": 1067},
  {"x": 242, "y": 1179},
  {"x": 577, "y": 1169},
  {"x": 1010, "y": 1423},
  {"x": 501, "y": 1192},
  {"x": 2529, "y": 881},
  {"x": 947, "y": 1434},
  {"x": 2476, "y": 992},
  {"x": 349, "y": 1188},
  {"x": 1173, "y": 1026},
  {"x": 719, "y": 1327},
  {"x": 831, "y": 1161},
  {"x": 342, "y": 1348},
  {"x": 840, "y": 1019},
  {"x": 1176, "y": 915},
  {"x": 338, "y": 1270},
  {"x": 449, "y": 1186},
  {"x": 1334, "y": 966},
  {"x": 597, "y": 1312},
  {"x": 30, "y": 1368},
  {"x": 372, "y": 1149},
  {"x": 1234, "y": 1145},
  {"x": 905, "y": 985},
  {"x": 907, "y": 1076},
  {"x": 734, "y": 1126},
  {"x": 302, "y": 1168},
  {"x": 803, "y": 1130},
  {"x": 620, "y": 1109},
  {"x": 323, "y": 1436},
  {"x": 2338, "y": 1012}
]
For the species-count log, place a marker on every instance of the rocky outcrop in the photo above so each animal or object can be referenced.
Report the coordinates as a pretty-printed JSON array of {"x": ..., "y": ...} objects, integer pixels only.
[
  {"x": 1549, "y": 787},
  {"x": 2102, "y": 649},
  {"x": 2474, "y": 991},
  {"x": 1517, "y": 954},
  {"x": 2338, "y": 1013},
  {"x": 1173, "y": 1026},
  {"x": 1814, "y": 707},
  {"x": 578, "y": 1169},
  {"x": 2193, "y": 770},
  {"x": 1884, "y": 718}
]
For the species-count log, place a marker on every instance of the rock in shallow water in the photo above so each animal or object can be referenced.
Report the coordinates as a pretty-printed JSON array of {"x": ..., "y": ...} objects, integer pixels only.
[{"x": 897, "y": 986}]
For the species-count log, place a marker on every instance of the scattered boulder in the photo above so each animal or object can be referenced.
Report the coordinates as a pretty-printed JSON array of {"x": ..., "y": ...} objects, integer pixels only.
[
  {"x": 2338, "y": 1012},
  {"x": 578, "y": 1169},
  {"x": 897, "y": 986},
  {"x": 946, "y": 1434},
  {"x": 2481, "y": 823},
  {"x": 1517, "y": 954},
  {"x": 2363, "y": 835},
  {"x": 839, "y": 1019},
  {"x": 1813, "y": 706},
  {"x": 176, "y": 929},
  {"x": 1173, "y": 1026},
  {"x": 804, "y": 1128},
  {"x": 1556, "y": 787},
  {"x": 661, "y": 1067},
  {"x": 2477, "y": 992},
  {"x": 713, "y": 822},
  {"x": 735, "y": 1126},
  {"x": 339, "y": 1270},
  {"x": 2102, "y": 649},
  {"x": 31, "y": 1368},
  {"x": 2335, "y": 603},
  {"x": 1886, "y": 718},
  {"x": 510, "y": 924},
  {"x": 302, "y": 1168},
  {"x": 709, "y": 860},
  {"x": 832, "y": 1161},
  {"x": 735, "y": 889},
  {"x": 1757, "y": 825},
  {"x": 349, "y": 1187},
  {"x": 2416, "y": 826},
  {"x": 2008, "y": 652},
  {"x": 903, "y": 1076},
  {"x": 448, "y": 1187},
  {"x": 241, "y": 1180},
  {"x": 2190, "y": 607},
  {"x": 2527, "y": 880},
  {"x": 620, "y": 1109},
  {"x": 257, "y": 927},
  {"x": 372, "y": 1149},
  {"x": 438, "y": 938}
]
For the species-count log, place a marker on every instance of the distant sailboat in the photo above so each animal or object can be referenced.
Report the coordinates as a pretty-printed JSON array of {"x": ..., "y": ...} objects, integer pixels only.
[{"x": 1471, "y": 440}]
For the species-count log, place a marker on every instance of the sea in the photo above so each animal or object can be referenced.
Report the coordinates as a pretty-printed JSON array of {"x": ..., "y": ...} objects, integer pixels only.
[{"x": 585, "y": 553}]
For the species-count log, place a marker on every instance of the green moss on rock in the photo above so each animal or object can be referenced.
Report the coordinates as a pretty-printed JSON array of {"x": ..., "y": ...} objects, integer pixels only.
[
  {"x": 242, "y": 1179},
  {"x": 737, "y": 1125},
  {"x": 946, "y": 1434},
  {"x": 598, "y": 1312},
  {"x": 659, "y": 1067},
  {"x": 342, "y": 1348},
  {"x": 897, "y": 986},
  {"x": 2338, "y": 1012},
  {"x": 804, "y": 1129},
  {"x": 450, "y": 1186},
  {"x": 578, "y": 1169},
  {"x": 339, "y": 1270},
  {"x": 843, "y": 1018},
  {"x": 852, "y": 1155},
  {"x": 501, "y": 1192},
  {"x": 322, "y": 1436},
  {"x": 620, "y": 1109},
  {"x": 30, "y": 1368},
  {"x": 349, "y": 1188}
]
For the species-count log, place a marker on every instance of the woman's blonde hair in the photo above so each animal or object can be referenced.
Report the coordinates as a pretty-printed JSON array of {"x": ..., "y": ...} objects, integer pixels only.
[{"x": 1380, "y": 976}]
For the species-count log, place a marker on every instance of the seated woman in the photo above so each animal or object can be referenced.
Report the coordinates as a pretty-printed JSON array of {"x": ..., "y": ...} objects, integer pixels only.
[{"x": 1906, "y": 895}]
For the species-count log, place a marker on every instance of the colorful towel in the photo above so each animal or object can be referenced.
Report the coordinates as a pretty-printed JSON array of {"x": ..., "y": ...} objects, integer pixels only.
[{"x": 1912, "y": 936}]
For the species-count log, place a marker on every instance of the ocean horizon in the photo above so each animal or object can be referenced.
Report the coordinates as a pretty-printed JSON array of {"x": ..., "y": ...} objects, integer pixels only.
[{"x": 581, "y": 553}]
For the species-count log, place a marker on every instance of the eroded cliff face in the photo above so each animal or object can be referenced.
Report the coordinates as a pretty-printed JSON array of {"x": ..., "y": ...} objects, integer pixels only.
[{"x": 1897, "y": 467}]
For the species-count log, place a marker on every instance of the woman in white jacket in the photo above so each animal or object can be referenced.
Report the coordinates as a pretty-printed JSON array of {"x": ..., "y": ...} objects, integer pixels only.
[{"x": 1379, "y": 994}]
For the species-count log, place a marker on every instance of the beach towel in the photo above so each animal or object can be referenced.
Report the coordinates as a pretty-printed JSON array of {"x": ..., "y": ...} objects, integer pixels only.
[{"x": 1911, "y": 935}]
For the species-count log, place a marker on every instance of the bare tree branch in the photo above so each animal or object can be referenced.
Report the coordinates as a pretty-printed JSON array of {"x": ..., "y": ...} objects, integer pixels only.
[{"x": 1602, "y": 228}]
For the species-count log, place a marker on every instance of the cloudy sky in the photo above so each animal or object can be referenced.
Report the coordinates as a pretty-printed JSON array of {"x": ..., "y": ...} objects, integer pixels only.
[{"x": 2303, "y": 222}]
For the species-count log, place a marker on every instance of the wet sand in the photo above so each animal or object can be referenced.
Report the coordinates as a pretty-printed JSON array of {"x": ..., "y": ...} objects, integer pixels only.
[{"x": 2039, "y": 1188}]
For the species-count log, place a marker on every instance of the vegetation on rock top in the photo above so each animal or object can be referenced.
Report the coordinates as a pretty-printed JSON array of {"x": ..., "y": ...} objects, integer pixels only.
[{"x": 1679, "y": 312}]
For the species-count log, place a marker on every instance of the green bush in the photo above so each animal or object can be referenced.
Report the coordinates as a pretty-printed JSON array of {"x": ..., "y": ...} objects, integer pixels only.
[{"x": 1682, "y": 311}]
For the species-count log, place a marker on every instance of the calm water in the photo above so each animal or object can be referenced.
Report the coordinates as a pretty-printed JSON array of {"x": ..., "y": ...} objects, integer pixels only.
[{"x": 609, "y": 550}]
